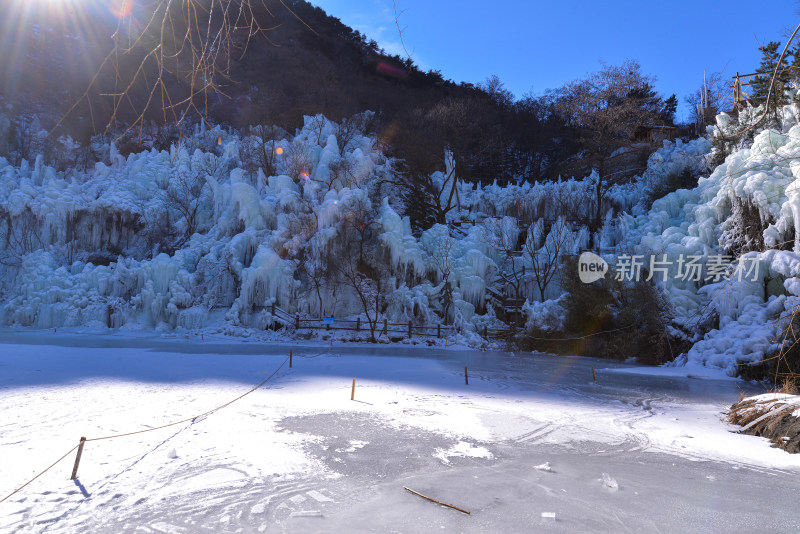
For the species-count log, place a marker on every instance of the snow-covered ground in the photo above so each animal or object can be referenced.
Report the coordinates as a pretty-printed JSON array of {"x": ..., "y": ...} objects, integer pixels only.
[{"x": 527, "y": 438}]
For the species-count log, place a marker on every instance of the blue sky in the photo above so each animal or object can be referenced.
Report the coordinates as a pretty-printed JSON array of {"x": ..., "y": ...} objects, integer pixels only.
[{"x": 533, "y": 45}]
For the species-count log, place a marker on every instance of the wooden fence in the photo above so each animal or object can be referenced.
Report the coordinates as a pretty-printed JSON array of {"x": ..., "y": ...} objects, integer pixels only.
[
  {"x": 382, "y": 327},
  {"x": 385, "y": 328}
]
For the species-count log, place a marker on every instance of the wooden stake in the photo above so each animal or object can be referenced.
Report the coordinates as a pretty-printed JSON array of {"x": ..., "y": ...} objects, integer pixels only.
[
  {"x": 437, "y": 502},
  {"x": 594, "y": 376},
  {"x": 290, "y": 358},
  {"x": 466, "y": 376},
  {"x": 78, "y": 459},
  {"x": 353, "y": 391}
]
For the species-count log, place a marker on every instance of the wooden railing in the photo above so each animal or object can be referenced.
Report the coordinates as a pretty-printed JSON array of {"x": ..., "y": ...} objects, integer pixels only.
[
  {"x": 742, "y": 80},
  {"x": 382, "y": 327}
]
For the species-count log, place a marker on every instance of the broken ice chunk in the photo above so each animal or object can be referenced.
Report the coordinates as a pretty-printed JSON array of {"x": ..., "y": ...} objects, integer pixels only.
[
  {"x": 544, "y": 467},
  {"x": 609, "y": 482}
]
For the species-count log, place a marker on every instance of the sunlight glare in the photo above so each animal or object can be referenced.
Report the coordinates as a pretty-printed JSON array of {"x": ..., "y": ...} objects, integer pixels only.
[{"x": 121, "y": 8}]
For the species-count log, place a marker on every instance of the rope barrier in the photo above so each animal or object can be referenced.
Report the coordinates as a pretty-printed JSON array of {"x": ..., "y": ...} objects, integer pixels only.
[
  {"x": 188, "y": 419},
  {"x": 581, "y": 337},
  {"x": 193, "y": 418},
  {"x": 37, "y": 476}
]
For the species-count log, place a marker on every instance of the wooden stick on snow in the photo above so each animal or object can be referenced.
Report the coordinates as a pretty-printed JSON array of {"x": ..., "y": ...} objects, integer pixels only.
[{"x": 437, "y": 502}]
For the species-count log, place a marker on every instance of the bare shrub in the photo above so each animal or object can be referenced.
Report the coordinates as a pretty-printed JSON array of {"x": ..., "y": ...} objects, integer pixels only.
[
  {"x": 544, "y": 251},
  {"x": 258, "y": 150},
  {"x": 317, "y": 126},
  {"x": 20, "y": 236},
  {"x": 744, "y": 229},
  {"x": 341, "y": 172},
  {"x": 297, "y": 161},
  {"x": 351, "y": 127},
  {"x": 185, "y": 195}
]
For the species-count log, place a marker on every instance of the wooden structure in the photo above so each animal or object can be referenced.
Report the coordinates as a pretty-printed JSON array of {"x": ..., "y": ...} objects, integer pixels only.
[
  {"x": 383, "y": 327},
  {"x": 655, "y": 133},
  {"x": 740, "y": 96}
]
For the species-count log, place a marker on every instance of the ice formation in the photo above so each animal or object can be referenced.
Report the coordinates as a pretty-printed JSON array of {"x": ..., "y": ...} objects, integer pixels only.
[{"x": 165, "y": 239}]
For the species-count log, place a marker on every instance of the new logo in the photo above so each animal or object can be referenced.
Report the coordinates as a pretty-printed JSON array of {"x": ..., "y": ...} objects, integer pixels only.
[{"x": 591, "y": 267}]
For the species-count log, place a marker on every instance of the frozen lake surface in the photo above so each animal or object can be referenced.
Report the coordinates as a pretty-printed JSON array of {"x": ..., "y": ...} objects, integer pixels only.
[{"x": 530, "y": 437}]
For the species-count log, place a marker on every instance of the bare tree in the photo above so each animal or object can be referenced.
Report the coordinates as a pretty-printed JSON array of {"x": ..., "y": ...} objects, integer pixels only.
[
  {"x": 442, "y": 256},
  {"x": 607, "y": 108},
  {"x": 713, "y": 96},
  {"x": 543, "y": 251},
  {"x": 352, "y": 126},
  {"x": 341, "y": 171},
  {"x": 366, "y": 283},
  {"x": 20, "y": 236},
  {"x": 259, "y": 149},
  {"x": 185, "y": 194},
  {"x": 360, "y": 219},
  {"x": 296, "y": 161},
  {"x": 216, "y": 281},
  {"x": 358, "y": 262},
  {"x": 315, "y": 266},
  {"x": 177, "y": 53},
  {"x": 503, "y": 235},
  {"x": 494, "y": 87},
  {"x": 317, "y": 126},
  {"x": 436, "y": 197}
]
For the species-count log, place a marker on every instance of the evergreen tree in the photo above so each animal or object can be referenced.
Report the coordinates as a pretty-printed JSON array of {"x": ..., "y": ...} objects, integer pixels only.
[
  {"x": 769, "y": 60},
  {"x": 793, "y": 58},
  {"x": 668, "y": 109}
]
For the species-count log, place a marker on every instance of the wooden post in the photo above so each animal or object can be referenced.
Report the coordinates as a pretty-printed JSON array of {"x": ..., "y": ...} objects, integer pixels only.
[
  {"x": 358, "y": 324},
  {"x": 78, "y": 459},
  {"x": 439, "y": 330},
  {"x": 297, "y": 321},
  {"x": 486, "y": 331},
  {"x": 272, "y": 311},
  {"x": 409, "y": 329},
  {"x": 466, "y": 376},
  {"x": 385, "y": 326},
  {"x": 594, "y": 375},
  {"x": 201, "y": 337},
  {"x": 290, "y": 358},
  {"x": 353, "y": 391}
]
